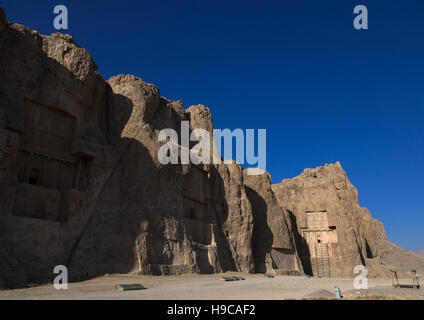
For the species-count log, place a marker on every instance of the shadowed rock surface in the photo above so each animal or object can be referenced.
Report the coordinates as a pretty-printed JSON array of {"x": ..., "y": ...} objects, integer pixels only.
[
  {"x": 273, "y": 244},
  {"x": 81, "y": 184}
]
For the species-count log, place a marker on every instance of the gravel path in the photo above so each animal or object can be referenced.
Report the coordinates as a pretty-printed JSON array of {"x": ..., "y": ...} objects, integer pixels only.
[{"x": 209, "y": 287}]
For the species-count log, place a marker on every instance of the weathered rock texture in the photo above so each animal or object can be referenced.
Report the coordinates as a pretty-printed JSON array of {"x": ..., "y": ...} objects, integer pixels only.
[
  {"x": 333, "y": 233},
  {"x": 273, "y": 243},
  {"x": 81, "y": 184},
  {"x": 80, "y": 180},
  {"x": 55, "y": 155}
]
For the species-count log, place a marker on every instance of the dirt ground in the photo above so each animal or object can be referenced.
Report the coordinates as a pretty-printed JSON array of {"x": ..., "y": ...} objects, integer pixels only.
[{"x": 210, "y": 287}]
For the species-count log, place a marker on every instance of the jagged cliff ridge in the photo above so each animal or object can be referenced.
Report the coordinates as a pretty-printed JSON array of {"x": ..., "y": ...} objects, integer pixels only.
[
  {"x": 81, "y": 184},
  {"x": 332, "y": 232},
  {"x": 80, "y": 181}
]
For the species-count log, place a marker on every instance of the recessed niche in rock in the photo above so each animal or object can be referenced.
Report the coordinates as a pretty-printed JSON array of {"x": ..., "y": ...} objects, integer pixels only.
[
  {"x": 196, "y": 201},
  {"x": 50, "y": 177}
]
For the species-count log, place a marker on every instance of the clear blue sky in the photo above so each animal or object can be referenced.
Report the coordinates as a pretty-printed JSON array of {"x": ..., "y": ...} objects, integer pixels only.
[{"x": 323, "y": 90}]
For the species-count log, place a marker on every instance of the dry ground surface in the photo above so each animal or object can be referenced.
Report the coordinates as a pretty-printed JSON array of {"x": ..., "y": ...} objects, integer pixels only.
[{"x": 201, "y": 287}]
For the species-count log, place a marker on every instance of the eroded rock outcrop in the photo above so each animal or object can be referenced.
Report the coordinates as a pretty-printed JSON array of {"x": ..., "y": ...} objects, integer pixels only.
[
  {"x": 3, "y": 20},
  {"x": 164, "y": 219},
  {"x": 273, "y": 243},
  {"x": 80, "y": 180},
  {"x": 334, "y": 234},
  {"x": 228, "y": 196},
  {"x": 81, "y": 184},
  {"x": 55, "y": 154}
]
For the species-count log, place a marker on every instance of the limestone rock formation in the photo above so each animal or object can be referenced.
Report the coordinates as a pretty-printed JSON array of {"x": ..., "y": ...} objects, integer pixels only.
[
  {"x": 81, "y": 183},
  {"x": 80, "y": 180},
  {"x": 55, "y": 156},
  {"x": 273, "y": 244},
  {"x": 334, "y": 234},
  {"x": 229, "y": 197},
  {"x": 164, "y": 219}
]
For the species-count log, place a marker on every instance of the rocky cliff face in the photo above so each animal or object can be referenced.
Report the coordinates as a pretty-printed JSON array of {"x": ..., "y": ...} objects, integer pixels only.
[
  {"x": 81, "y": 184},
  {"x": 164, "y": 219},
  {"x": 55, "y": 154},
  {"x": 273, "y": 243},
  {"x": 334, "y": 234}
]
